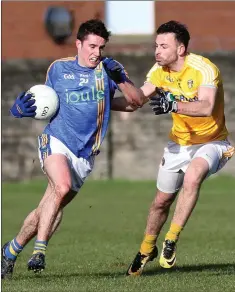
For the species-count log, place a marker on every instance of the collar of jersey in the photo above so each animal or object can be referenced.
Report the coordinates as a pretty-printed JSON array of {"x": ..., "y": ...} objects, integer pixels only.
[
  {"x": 81, "y": 68},
  {"x": 184, "y": 66}
]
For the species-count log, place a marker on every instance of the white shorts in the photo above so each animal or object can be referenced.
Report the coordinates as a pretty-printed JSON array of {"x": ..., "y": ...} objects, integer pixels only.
[
  {"x": 176, "y": 159},
  {"x": 79, "y": 167}
]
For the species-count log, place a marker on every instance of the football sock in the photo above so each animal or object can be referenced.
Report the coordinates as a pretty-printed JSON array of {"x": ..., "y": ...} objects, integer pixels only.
[
  {"x": 174, "y": 232},
  {"x": 148, "y": 244},
  {"x": 13, "y": 249},
  {"x": 40, "y": 246}
]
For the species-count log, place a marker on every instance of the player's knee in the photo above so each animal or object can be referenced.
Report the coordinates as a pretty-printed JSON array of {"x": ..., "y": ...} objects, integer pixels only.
[
  {"x": 191, "y": 182},
  {"x": 61, "y": 190},
  {"x": 195, "y": 174},
  {"x": 163, "y": 201}
]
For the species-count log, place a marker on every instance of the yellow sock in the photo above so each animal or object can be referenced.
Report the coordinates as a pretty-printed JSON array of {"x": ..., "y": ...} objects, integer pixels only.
[
  {"x": 40, "y": 246},
  {"x": 174, "y": 232},
  {"x": 148, "y": 244}
]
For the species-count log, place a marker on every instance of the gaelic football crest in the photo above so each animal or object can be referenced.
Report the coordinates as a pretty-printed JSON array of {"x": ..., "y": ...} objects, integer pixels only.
[{"x": 190, "y": 83}]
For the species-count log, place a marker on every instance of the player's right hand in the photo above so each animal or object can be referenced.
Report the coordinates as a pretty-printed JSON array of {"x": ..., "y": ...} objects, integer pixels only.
[
  {"x": 163, "y": 102},
  {"x": 23, "y": 106}
]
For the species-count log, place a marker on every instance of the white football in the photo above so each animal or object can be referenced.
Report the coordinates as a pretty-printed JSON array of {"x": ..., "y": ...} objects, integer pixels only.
[{"x": 46, "y": 101}]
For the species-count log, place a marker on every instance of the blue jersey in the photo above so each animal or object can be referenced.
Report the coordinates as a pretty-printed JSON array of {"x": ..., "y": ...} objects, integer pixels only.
[{"x": 85, "y": 96}]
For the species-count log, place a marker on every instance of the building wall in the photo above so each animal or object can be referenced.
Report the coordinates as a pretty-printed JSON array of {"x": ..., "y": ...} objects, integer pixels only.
[
  {"x": 24, "y": 35},
  {"x": 211, "y": 23},
  {"x": 23, "y": 32}
]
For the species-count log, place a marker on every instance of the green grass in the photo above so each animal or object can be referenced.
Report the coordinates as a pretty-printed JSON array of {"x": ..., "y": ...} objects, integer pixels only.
[{"x": 102, "y": 231}]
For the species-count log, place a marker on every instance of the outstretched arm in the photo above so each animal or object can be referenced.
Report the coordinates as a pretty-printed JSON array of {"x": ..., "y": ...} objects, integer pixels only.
[
  {"x": 134, "y": 96},
  {"x": 128, "y": 102}
]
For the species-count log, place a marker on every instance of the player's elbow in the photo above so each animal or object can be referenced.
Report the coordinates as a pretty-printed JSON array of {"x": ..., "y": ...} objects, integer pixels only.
[
  {"x": 209, "y": 110},
  {"x": 205, "y": 113},
  {"x": 208, "y": 113}
]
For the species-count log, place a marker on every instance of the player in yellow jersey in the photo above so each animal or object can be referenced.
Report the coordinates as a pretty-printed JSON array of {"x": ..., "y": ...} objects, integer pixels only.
[{"x": 190, "y": 87}]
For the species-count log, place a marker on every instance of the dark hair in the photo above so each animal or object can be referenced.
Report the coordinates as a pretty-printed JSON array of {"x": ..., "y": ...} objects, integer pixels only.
[
  {"x": 93, "y": 26},
  {"x": 180, "y": 30}
]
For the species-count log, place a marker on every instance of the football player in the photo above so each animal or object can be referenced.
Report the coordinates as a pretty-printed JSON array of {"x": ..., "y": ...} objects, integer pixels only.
[
  {"x": 70, "y": 142},
  {"x": 190, "y": 88}
]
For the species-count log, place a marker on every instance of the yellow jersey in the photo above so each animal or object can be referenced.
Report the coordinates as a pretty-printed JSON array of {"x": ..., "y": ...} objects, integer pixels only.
[{"x": 197, "y": 71}]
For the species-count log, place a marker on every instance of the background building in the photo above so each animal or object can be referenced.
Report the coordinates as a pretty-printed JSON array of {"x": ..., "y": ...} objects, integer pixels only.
[{"x": 210, "y": 24}]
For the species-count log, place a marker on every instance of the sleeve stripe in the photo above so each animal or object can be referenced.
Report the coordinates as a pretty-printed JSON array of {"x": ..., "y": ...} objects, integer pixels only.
[
  {"x": 59, "y": 60},
  {"x": 48, "y": 70},
  {"x": 208, "y": 73},
  {"x": 206, "y": 70}
]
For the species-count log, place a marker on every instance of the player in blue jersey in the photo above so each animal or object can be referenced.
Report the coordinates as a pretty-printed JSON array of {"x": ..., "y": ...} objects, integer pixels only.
[{"x": 68, "y": 145}]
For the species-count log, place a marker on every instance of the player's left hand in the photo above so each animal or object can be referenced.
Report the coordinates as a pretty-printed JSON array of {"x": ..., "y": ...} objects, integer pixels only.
[
  {"x": 115, "y": 70},
  {"x": 163, "y": 102}
]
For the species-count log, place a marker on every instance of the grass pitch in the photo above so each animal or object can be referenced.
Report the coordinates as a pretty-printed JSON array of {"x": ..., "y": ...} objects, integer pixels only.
[{"x": 101, "y": 233}]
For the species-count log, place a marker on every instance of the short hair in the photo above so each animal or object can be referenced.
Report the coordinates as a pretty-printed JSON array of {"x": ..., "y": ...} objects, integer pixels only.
[
  {"x": 180, "y": 30},
  {"x": 93, "y": 26}
]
